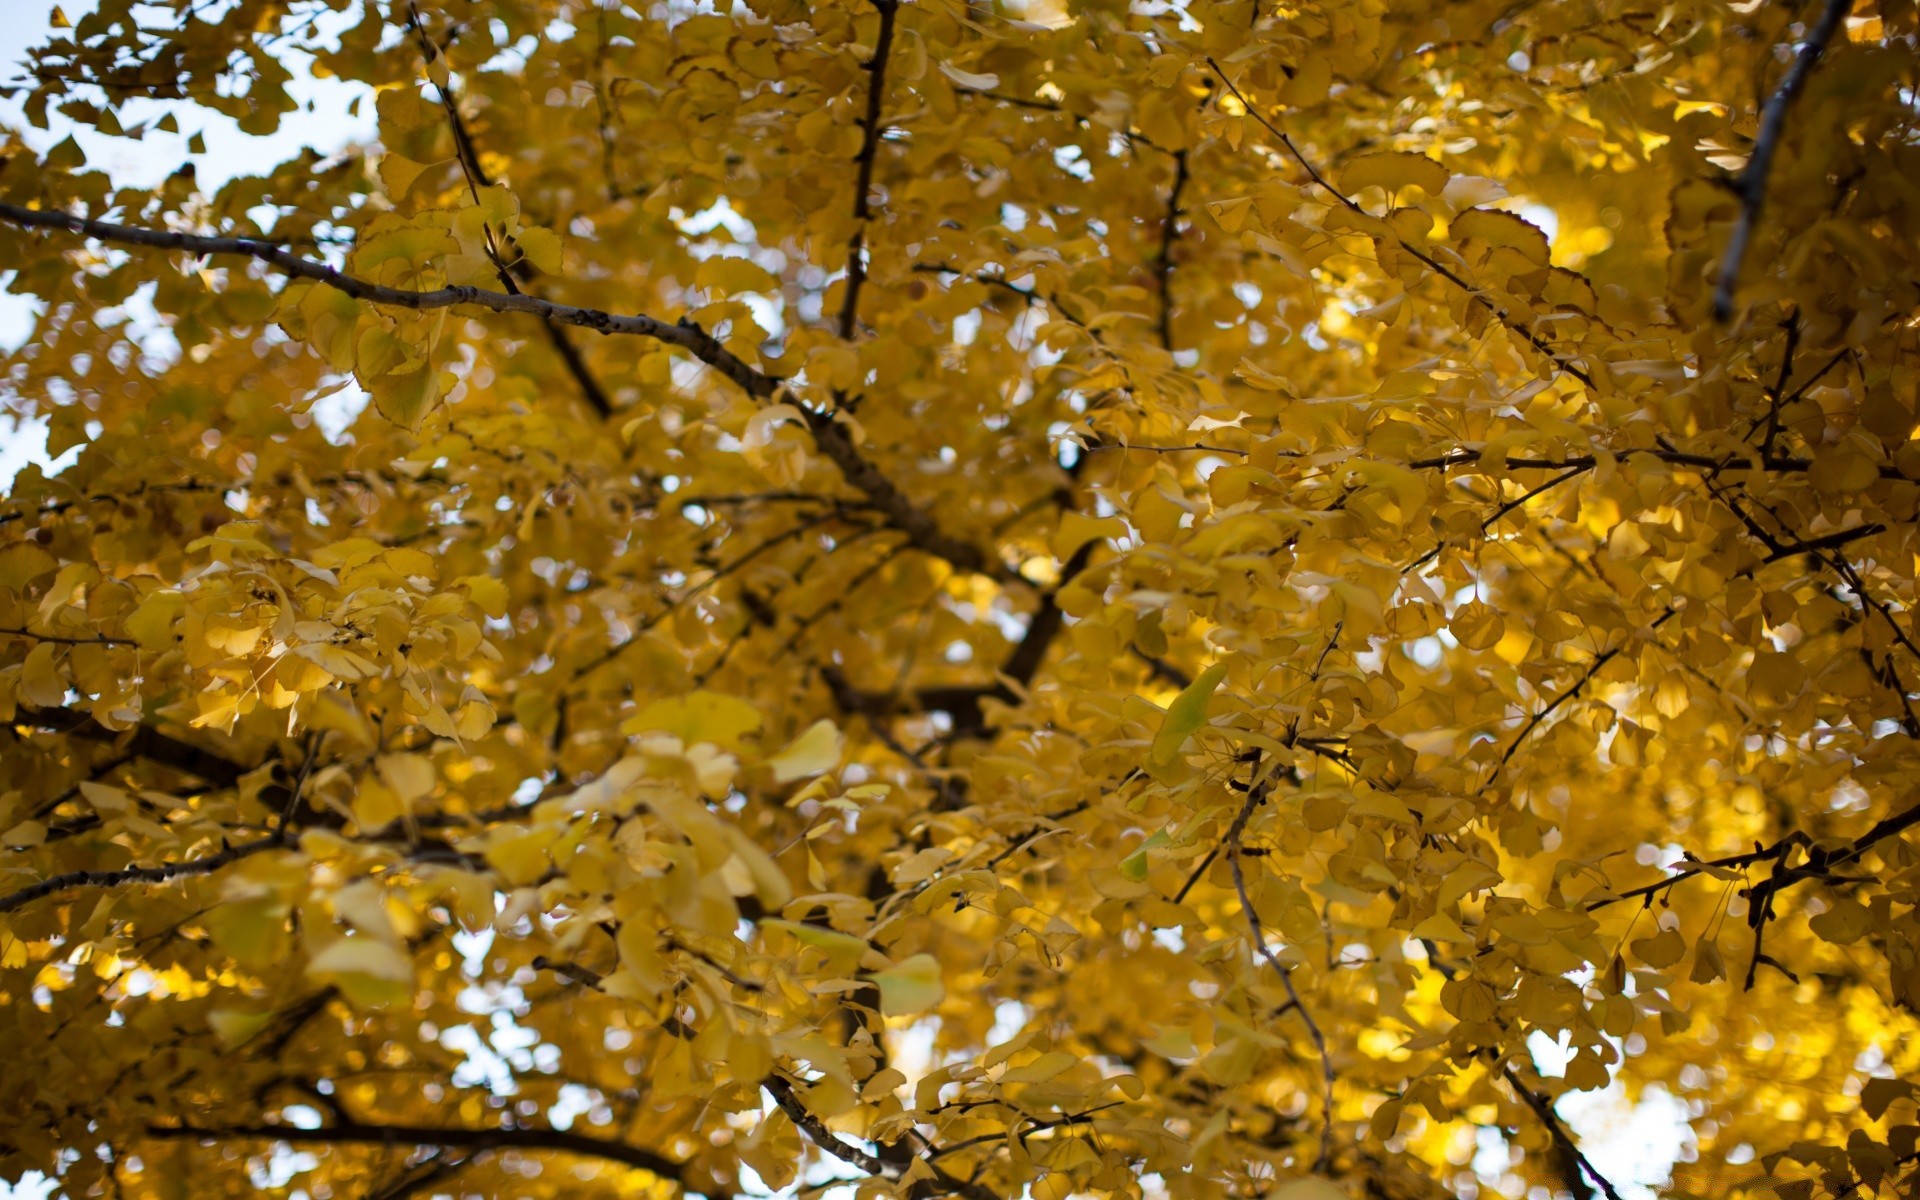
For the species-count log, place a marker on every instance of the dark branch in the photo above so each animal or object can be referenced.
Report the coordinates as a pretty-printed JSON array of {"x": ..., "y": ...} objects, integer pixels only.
[
  {"x": 75, "y": 880},
  {"x": 476, "y": 176},
  {"x": 561, "y": 1140},
  {"x": 1573, "y": 1161},
  {"x": 1752, "y": 183},
  {"x": 871, "y": 129},
  {"x": 1169, "y": 231},
  {"x": 687, "y": 336}
]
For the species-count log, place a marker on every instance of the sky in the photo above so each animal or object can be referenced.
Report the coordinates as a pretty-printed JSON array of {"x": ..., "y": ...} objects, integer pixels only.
[{"x": 1634, "y": 1144}]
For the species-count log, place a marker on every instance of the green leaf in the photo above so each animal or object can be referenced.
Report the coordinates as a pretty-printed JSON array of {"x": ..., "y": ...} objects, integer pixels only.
[{"x": 1187, "y": 713}]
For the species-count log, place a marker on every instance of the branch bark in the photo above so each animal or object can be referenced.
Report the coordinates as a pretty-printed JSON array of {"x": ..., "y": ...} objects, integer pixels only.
[
  {"x": 1573, "y": 1162},
  {"x": 876, "y": 69},
  {"x": 75, "y": 880},
  {"x": 1752, "y": 184},
  {"x": 505, "y": 1138}
]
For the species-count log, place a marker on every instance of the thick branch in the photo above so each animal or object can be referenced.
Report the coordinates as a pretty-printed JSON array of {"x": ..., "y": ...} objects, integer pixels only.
[
  {"x": 142, "y": 742},
  {"x": 837, "y": 445},
  {"x": 1169, "y": 231},
  {"x": 1752, "y": 184},
  {"x": 1574, "y": 1162},
  {"x": 834, "y": 441}
]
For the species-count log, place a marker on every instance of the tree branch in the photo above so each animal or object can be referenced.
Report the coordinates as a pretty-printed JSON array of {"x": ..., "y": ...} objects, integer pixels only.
[
  {"x": 1474, "y": 294},
  {"x": 832, "y": 438},
  {"x": 75, "y": 880},
  {"x": 789, "y": 1100},
  {"x": 143, "y": 741},
  {"x": 686, "y": 335},
  {"x": 476, "y": 176},
  {"x": 504, "y": 1138},
  {"x": 1752, "y": 184},
  {"x": 1573, "y": 1161},
  {"x": 876, "y": 69},
  {"x": 1235, "y": 832},
  {"x": 1169, "y": 232}
]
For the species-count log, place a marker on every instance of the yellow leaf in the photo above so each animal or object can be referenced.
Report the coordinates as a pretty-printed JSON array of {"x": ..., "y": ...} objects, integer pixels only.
[
  {"x": 699, "y": 716},
  {"x": 1076, "y": 530},
  {"x": 1394, "y": 170},
  {"x": 727, "y": 275},
  {"x": 400, "y": 173},
  {"x": 1050, "y": 1065},
  {"x": 22, "y": 563},
  {"x": 40, "y": 680},
  {"x": 911, "y": 986},
  {"x": 1662, "y": 950},
  {"x": 1843, "y": 924},
  {"x": 366, "y": 956},
  {"x": 813, "y": 752},
  {"x": 152, "y": 623},
  {"x": 543, "y": 249}
]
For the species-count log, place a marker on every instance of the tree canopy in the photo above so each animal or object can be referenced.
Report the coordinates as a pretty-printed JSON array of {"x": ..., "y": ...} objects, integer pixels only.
[{"x": 1123, "y": 599}]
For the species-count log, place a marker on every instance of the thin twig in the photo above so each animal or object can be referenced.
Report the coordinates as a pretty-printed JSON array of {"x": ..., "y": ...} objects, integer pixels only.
[
  {"x": 1473, "y": 292},
  {"x": 1235, "y": 832}
]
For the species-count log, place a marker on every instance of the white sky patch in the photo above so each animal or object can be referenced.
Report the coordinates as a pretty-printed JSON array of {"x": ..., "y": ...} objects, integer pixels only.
[{"x": 1633, "y": 1144}]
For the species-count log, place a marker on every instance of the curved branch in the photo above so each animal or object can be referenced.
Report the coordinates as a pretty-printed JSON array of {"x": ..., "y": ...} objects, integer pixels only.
[
  {"x": 503, "y": 1138},
  {"x": 687, "y": 336},
  {"x": 832, "y": 438},
  {"x": 1752, "y": 184}
]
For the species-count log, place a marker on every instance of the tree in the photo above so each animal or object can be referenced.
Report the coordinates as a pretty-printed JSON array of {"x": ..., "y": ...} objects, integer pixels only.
[{"x": 986, "y": 600}]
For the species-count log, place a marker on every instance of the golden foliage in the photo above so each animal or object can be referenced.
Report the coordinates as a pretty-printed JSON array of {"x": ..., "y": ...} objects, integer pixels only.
[{"x": 1027, "y": 599}]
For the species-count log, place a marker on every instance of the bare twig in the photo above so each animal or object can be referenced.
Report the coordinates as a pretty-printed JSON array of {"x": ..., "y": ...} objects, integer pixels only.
[
  {"x": 1235, "y": 832},
  {"x": 75, "y": 880},
  {"x": 503, "y": 1138},
  {"x": 1473, "y": 292}
]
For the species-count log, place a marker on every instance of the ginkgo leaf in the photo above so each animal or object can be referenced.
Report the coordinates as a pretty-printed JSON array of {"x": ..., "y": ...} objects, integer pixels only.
[
  {"x": 542, "y": 247},
  {"x": 728, "y": 274},
  {"x": 362, "y": 956},
  {"x": 1187, "y": 713},
  {"x": 817, "y": 749},
  {"x": 23, "y": 562},
  {"x": 910, "y": 986},
  {"x": 1308, "y": 1188},
  {"x": 399, "y": 173},
  {"x": 981, "y": 81},
  {"x": 1103, "y": 594},
  {"x": 1394, "y": 170},
  {"x": 699, "y": 716}
]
